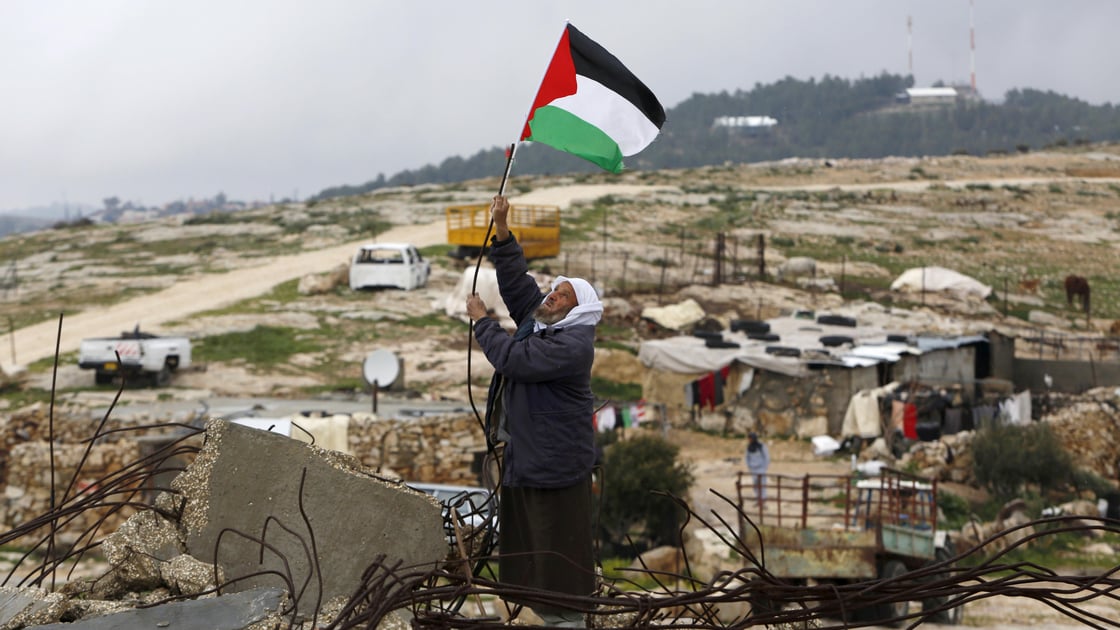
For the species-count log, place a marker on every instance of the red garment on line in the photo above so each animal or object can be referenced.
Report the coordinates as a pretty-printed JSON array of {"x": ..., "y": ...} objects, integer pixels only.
[
  {"x": 910, "y": 421},
  {"x": 707, "y": 386}
]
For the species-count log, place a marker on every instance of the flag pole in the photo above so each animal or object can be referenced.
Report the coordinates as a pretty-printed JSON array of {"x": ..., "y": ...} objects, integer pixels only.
[
  {"x": 474, "y": 289},
  {"x": 486, "y": 240},
  {"x": 490, "y": 227},
  {"x": 509, "y": 167}
]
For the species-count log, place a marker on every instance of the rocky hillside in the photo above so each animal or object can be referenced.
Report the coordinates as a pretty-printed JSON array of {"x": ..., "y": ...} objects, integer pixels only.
[{"x": 1018, "y": 223}]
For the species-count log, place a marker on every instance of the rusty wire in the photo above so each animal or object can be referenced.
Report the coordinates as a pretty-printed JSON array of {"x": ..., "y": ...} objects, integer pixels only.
[
  {"x": 970, "y": 576},
  {"x": 432, "y": 596},
  {"x": 108, "y": 495}
]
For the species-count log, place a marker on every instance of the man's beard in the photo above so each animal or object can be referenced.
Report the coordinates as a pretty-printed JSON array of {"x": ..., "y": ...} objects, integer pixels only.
[{"x": 548, "y": 317}]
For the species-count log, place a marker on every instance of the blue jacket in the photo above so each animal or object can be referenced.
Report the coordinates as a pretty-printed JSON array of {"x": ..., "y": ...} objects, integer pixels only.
[
  {"x": 757, "y": 461},
  {"x": 544, "y": 379}
]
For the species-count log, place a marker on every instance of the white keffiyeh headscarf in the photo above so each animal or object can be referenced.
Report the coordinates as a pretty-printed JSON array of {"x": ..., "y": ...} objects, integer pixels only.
[{"x": 588, "y": 310}]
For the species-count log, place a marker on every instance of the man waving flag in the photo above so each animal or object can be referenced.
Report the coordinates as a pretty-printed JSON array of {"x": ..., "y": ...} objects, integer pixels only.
[
  {"x": 591, "y": 105},
  {"x": 540, "y": 403}
]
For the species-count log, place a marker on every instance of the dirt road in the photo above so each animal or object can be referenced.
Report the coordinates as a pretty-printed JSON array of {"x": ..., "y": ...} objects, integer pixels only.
[
  {"x": 192, "y": 295},
  {"x": 206, "y": 292},
  {"x": 201, "y": 293}
]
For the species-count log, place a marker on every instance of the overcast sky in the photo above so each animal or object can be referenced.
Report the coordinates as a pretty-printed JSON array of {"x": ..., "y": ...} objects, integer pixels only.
[{"x": 154, "y": 101}]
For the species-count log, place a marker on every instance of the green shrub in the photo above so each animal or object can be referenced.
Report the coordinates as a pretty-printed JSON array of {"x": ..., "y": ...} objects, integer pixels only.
[
  {"x": 637, "y": 474},
  {"x": 955, "y": 508},
  {"x": 1085, "y": 479},
  {"x": 1008, "y": 457}
]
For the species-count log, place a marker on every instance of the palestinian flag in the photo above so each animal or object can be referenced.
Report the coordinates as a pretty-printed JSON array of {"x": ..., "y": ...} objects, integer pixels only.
[{"x": 590, "y": 105}]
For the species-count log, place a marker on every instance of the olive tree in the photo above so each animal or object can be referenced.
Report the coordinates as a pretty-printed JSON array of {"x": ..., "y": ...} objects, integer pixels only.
[{"x": 640, "y": 477}]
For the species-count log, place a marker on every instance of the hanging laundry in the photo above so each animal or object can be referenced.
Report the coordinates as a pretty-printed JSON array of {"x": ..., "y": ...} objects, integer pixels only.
[
  {"x": 1009, "y": 411},
  {"x": 953, "y": 421},
  {"x": 745, "y": 381},
  {"x": 910, "y": 421},
  {"x": 605, "y": 419},
  {"x": 983, "y": 416},
  {"x": 898, "y": 410},
  {"x": 707, "y": 391},
  {"x": 862, "y": 418},
  {"x": 720, "y": 376},
  {"x": 1023, "y": 400}
]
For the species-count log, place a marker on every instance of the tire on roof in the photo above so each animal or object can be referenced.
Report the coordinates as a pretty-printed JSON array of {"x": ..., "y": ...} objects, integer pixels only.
[
  {"x": 837, "y": 320},
  {"x": 749, "y": 326},
  {"x": 783, "y": 351},
  {"x": 831, "y": 341}
]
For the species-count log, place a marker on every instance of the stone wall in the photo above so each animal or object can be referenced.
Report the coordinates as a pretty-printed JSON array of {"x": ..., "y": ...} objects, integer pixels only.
[
  {"x": 1089, "y": 429},
  {"x": 28, "y": 491},
  {"x": 26, "y": 471},
  {"x": 437, "y": 449},
  {"x": 775, "y": 403}
]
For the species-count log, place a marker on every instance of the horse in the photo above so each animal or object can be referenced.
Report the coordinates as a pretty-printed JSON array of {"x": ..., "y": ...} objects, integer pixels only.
[{"x": 1076, "y": 285}]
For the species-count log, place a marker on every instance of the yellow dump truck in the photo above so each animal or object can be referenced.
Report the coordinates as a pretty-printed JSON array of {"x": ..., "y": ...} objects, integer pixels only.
[{"x": 537, "y": 228}]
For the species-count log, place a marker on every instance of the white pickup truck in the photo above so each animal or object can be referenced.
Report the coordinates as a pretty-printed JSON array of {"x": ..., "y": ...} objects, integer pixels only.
[
  {"x": 389, "y": 265},
  {"x": 134, "y": 354}
]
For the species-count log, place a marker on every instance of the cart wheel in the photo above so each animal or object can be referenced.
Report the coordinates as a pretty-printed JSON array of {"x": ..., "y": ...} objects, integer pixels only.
[
  {"x": 761, "y": 605},
  {"x": 892, "y": 612},
  {"x": 951, "y": 616}
]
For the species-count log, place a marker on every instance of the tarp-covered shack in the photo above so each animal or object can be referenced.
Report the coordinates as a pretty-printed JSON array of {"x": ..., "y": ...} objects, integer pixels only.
[{"x": 795, "y": 375}]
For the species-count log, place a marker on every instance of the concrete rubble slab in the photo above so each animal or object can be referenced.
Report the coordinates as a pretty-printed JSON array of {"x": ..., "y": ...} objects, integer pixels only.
[
  {"x": 228, "y": 612},
  {"x": 245, "y": 485},
  {"x": 21, "y": 607}
]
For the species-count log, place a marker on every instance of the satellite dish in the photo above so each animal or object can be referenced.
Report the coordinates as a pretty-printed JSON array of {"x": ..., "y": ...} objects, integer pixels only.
[{"x": 381, "y": 368}]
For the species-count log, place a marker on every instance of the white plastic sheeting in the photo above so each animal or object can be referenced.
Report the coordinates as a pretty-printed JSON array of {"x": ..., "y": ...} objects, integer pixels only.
[
  {"x": 675, "y": 316},
  {"x": 862, "y": 417},
  {"x": 455, "y": 305},
  {"x": 939, "y": 279}
]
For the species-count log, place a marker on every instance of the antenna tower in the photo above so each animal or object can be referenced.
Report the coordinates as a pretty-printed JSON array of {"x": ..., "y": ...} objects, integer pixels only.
[
  {"x": 972, "y": 47},
  {"x": 910, "y": 45}
]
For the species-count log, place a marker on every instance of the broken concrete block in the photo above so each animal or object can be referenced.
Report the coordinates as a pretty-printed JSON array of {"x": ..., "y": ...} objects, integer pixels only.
[
  {"x": 186, "y": 575},
  {"x": 135, "y": 551},
  {"x": 229, "y": 612},
  {"x": 245, "y": 486},
  {"x": 21, "y": 607}
]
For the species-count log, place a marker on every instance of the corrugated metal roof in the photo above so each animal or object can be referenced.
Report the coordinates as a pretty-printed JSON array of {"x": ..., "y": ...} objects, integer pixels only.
[{"x": 867, "y": 346}]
